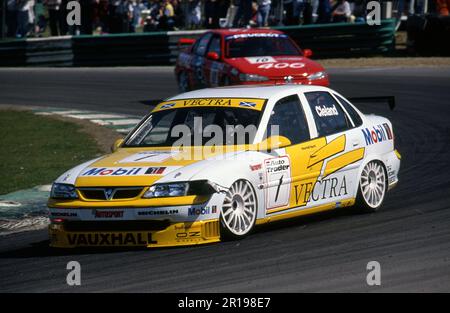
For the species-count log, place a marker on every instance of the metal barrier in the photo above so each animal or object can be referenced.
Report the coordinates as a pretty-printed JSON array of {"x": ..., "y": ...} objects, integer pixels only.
[
  {"x": 161, "y": 48},
  {"x": 121, "y": 49},
  {"x": 344, "y": 39}
]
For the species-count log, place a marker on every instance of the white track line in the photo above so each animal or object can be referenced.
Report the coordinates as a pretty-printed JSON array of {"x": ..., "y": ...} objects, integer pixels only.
[
  {"x": 124, "y": 130},
  {"x": 67, "y": 112},
  {"x": 117, "y": 122},
  {"x": 95, "y": 116}
]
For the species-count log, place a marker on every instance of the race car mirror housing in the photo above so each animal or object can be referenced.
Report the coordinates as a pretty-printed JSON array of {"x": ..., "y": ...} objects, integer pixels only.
[
  {"x": 307, "y": 53},
  {"x": 274, "y": 142},
  {"x": 116, "y": 145},
  {"x": 212, "y": 55}
]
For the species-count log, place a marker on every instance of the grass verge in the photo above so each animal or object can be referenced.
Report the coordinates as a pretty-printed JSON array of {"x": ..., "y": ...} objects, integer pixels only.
[{"x": 35, "y": 150}]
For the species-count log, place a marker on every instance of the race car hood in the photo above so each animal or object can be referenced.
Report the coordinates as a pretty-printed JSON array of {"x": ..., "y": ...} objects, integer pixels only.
[
  {"x": 134, "y": 167},
  {"x": 276, "y": 66}
]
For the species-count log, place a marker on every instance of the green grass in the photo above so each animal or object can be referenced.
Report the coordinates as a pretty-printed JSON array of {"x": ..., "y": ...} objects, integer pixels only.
[{"x": 35, "y": 150}]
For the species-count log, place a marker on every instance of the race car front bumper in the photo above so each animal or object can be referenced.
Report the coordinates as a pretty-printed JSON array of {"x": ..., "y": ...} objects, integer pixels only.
[{"x": 176, "y": 234}]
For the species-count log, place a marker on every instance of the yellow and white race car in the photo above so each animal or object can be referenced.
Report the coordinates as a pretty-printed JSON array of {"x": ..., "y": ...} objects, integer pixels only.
[{"x": 211, "y": 164}]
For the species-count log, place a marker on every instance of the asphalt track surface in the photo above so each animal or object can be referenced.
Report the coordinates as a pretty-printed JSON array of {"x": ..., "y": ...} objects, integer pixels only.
[{"x": 409, "y": 237}]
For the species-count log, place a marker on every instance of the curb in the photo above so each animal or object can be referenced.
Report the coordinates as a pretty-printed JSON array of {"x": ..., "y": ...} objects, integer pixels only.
[
  {"x": 24, "y": 209},
  {"x": 119, "y": 122}
]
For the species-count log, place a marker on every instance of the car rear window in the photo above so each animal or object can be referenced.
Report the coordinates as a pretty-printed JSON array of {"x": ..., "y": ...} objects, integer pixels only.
[
  {"x": 328, "y": 114},
  {"x": 356, "y": 118}
]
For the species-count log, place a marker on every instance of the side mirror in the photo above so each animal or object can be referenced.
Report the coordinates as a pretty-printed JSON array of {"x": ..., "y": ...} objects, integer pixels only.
[
  {"x": 212, "y": 55},
  {"x": 116, "y": 145},
  {"x": 274, "y": 142},
  {"x": 307, "y": 53}
]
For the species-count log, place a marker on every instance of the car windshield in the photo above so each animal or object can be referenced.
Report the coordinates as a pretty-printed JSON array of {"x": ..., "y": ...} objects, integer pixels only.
[
  {"x": 195, "y": 126},
  {"x": 245, "y": 46}
]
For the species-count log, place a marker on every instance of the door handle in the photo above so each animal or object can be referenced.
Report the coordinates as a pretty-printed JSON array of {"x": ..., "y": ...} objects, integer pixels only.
[{"x": 356, "y": 143}]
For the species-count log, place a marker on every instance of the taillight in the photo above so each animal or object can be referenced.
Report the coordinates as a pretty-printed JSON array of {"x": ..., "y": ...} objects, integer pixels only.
[{"x": 57, "y": 220}]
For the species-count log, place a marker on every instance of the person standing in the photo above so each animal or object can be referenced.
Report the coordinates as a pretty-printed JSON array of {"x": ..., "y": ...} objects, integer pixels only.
[
  {"x": 324, "y": 12},
  {"x": 243, "y": 14},
  {"x": 211, "y": 14},
  {"x": 443, "y": 7},
  {"x": 179, "y": 14},
  {"x": 25, "y": 17},
  {"x": 263, "y": 12},
  {"x": 54, "y": 16},
  {"x": 341, "y": 12},
  {"x": 11, "y": 18},
  {"x": 359, "y": 11},
  {"x": 288, "y": 6},
  {"x": 193, "y": 16}
]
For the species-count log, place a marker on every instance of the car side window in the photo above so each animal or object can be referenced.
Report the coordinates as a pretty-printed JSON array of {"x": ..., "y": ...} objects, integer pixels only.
[
  {"x": 356, "y": 118},
  {"x": 214, "y": 45},
  {"x": 202, "y": 44},
  {"x": 328, "y": 114},
  {"x": 290, "y": 119}
]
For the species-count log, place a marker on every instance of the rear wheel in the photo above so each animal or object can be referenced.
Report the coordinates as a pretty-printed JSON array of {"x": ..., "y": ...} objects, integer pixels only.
[
  {"x": 372, "y": 187},
  {"x": 238, "y": 214}
]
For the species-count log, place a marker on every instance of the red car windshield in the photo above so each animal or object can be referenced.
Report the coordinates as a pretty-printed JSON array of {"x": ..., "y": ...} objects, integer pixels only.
[{"x": 262, "y": 45}]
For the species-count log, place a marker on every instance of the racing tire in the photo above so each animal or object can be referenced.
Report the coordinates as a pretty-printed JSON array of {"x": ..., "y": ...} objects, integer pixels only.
[
  {"x": 372, "y": 187},
  {"x": 238, "y": 212},
  {"x": 183, "y": 82}
]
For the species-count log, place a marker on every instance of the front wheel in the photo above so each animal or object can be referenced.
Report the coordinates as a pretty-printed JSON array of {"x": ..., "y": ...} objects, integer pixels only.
[
  {"x": 238, "y": 214},
  {"x": 372, "y": 187}
]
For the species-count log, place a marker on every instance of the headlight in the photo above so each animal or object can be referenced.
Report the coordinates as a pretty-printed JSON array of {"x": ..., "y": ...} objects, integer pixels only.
[
  {"x": 317, "y": 75},
  {"x": 63, "y": 191},
  {"x": 167, "y": 190},
  {"x": 252, "y": 78}
]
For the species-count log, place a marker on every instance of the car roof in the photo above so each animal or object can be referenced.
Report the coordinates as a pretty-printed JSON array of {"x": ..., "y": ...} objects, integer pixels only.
[
  {"x": 248, "y": 91},
  {"x": 236, "y": 31}
]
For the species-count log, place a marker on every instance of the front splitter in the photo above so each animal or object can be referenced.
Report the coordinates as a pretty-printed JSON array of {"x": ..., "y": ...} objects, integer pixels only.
[{"x": 177, "y": 234}]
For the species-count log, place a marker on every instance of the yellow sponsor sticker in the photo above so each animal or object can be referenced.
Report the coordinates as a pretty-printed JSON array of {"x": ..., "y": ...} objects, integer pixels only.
[{"x": 243, "y": 103}]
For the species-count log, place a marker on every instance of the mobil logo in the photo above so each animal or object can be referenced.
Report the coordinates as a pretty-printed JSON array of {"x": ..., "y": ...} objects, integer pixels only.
[
  {"x": 377, "y": 134},
  {"x": 203, "y": 210},
  {"x": 113, "y": 171}
]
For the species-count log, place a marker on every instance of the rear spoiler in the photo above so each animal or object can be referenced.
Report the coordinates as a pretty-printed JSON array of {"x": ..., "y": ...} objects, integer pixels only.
[{"x": 389, "y": 99}]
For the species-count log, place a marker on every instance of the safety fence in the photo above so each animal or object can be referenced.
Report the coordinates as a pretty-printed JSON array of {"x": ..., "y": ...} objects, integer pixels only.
[{"x": 162, "y": 48}]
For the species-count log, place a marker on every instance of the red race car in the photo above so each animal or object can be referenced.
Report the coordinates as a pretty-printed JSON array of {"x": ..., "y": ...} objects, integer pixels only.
[{"x": 245, "y": 56}]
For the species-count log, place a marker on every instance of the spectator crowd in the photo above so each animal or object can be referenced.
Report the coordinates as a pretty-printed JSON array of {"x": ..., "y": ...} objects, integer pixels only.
[{"x": 39, "y": 17}]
